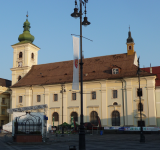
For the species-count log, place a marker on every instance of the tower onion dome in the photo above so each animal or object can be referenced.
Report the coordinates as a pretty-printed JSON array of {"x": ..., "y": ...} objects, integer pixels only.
[
  {"x": 26, "y": 36},
  {"x": 130, "y": 39}
]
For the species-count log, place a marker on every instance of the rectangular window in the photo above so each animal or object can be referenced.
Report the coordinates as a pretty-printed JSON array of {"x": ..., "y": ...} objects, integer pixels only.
[
  {"x": 93, "y": 95},
  {"x": 139, "y": 92},
  {"x": 114, "y": 93},
  {"x": 20, "y": 99},
  {"x": 38, "y": 98},
  {"x": 3, "y": 100},
  {"x": 139, "y": 123},
  {"x": 3, "y": 111},
  {"x": 2, "y": 123},
  {"x": 73, "y": 96},
  {"x": 55, "y": 97},
  {"x": 115, "y": 71}
]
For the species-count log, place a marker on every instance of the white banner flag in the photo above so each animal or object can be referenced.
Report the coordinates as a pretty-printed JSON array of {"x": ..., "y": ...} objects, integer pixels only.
[{"x": 75, "y": 84}]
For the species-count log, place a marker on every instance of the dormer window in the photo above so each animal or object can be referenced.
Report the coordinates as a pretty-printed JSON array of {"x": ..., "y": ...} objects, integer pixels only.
[
  {"x": 115, "y": 71},
  {"x": 130, "y": 47}
]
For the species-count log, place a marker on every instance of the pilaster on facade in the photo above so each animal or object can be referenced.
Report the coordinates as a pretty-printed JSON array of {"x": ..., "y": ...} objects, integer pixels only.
[
  {"x": 129, "y": 103},
  {"x": 103, "y": 116},
  {"x": 151, "y": 101},
  {"x": 14, "y": 98},
  {"x": 84, "y": 104},
  {"x": 65, "y": 105}
]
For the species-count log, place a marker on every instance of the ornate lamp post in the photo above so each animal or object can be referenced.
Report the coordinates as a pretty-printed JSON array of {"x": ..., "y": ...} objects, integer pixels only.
[
  {"x": 62, "y": 91},
  {"x": 142, "y": 137},
  {"x": 76, "y": 14}
]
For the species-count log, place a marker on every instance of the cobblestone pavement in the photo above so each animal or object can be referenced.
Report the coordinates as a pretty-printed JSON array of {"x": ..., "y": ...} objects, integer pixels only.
[{"x": 93, "y": 142}]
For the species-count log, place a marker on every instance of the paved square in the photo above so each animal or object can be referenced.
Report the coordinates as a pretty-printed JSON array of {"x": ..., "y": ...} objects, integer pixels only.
[{"x": 93, "y": 142}]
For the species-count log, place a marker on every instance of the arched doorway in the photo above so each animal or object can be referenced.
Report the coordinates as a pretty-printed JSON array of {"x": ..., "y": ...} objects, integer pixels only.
[
  {"x": 94, "y": 118},
  {"x": 75, "y": 116},
  {"x": 115, "y": 118}
]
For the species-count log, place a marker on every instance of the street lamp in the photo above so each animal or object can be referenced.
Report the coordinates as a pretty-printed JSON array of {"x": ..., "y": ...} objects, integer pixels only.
[
  {"x": 76, "y": 14},
  {"x": 142, "y": 137},
  {"x": 62, "y": 91}
]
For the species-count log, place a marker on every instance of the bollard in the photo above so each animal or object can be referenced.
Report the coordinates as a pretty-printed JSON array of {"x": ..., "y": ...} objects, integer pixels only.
[{"x": 72, "y": 147}]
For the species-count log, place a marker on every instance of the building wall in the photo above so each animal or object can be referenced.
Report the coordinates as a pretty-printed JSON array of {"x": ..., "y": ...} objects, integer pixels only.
[
  {"x": 158, "y": 105},
  {"x": 103, "y": 104},
  {"x": 27, "y": 61},
  {"x": 4, "y": 117}
]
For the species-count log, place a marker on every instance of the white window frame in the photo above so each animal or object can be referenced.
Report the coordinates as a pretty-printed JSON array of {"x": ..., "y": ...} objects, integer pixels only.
[
  {"x": 55, "y": 97},
  {"x": 113, "y": 94},
  {"x": 39, "y": 100},
  {"x": 75, "y": 96},
  {"x": 20, "y": 99},
  {"x": 115, "y": 71},
  {"x": 92, "y": 95}
]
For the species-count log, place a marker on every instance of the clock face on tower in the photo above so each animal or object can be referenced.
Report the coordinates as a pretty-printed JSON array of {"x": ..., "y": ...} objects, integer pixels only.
[{"x": 19, "y": 64}]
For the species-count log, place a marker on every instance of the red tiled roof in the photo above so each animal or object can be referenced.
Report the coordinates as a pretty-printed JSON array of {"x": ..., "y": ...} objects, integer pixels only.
[
  {"x": 95, "y": 68},
  {"x": 155, "y": 70},
  {"x": 5, "y": 83}
]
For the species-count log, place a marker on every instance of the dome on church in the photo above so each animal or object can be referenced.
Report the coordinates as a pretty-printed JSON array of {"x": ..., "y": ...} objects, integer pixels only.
[
  {"x": 26, "y": 37},
  {"x": 129, "y": 39}
]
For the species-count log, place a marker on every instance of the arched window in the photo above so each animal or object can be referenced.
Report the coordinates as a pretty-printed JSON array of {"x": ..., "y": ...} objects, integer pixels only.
[
  {"x": 115, "y": 103},
  {"x": 130, "y": 47},
  {"x": 56, "y": 116},
  {"x": 20, "y": 55},
  {"x": 75, "y": 116},
  {"x": 94, "y": 118},
  {"x": 140, "y": 107},
  {"x": 19, "y": 78},
  {"x": 115, "y": 118},
  {"x": 32, "y": 55}
]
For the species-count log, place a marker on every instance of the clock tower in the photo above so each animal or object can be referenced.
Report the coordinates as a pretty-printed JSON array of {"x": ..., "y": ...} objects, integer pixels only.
[
  {"x": 130, "y": 44},
  {"x": 25, "y": 54}
]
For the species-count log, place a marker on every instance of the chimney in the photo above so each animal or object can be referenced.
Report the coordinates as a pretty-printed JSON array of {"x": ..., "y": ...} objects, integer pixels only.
[{"x": 150, "y": 68}]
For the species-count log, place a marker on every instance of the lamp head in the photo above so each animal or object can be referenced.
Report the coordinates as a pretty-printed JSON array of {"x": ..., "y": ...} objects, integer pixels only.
[
  {"x": 85, "y": 22},
  {"x": 75, "y": 14}
]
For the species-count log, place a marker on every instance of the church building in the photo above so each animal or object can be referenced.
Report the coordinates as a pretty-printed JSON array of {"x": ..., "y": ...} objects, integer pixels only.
[{"x": 110, "y": 86}]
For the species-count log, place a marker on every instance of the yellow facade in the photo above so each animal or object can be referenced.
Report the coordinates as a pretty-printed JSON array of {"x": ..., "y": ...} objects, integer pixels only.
[
  {"x": 21, "y": 65},
  {"x": 4, "y": 105},
  {"x": 110, "y": 96},
  {"x": 130, "y": 48},
  {"x": 127, "y": 100}
]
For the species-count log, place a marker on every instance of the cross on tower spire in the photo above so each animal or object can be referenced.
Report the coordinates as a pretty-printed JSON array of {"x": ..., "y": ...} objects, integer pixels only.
[{"x": 27, "y": 15}]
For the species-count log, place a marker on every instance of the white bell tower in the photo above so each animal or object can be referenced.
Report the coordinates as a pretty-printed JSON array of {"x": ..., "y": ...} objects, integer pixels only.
[{"x": 25, "y": 54}]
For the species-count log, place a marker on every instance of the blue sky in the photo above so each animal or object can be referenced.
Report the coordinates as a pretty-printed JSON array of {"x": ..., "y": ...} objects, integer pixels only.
[{"x": 52, "y": 26}]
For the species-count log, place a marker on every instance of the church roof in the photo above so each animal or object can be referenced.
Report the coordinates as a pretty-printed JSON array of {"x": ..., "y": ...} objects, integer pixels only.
[
  {"x": 96, "y": 68},
  {"x": 5, "y": 83},
  {"x": 155, "y": 70}
]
